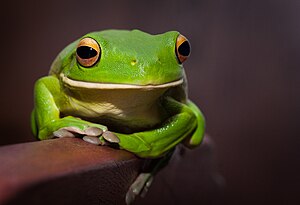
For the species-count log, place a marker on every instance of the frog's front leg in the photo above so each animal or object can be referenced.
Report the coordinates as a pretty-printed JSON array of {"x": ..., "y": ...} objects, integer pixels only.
[
  {"x": 197, "y": 136},
  {"x": 185, "y": 123},
  {"x": 46, "y": 120}
]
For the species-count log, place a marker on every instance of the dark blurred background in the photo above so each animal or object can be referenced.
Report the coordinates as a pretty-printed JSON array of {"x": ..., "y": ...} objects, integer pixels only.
[{"x": 243, "y": 73}]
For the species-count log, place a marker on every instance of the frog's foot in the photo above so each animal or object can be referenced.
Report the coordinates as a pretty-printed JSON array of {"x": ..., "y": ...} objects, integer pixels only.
[
  {"x": 139, "y": 187},
  {"x": 93, "y": 135}
]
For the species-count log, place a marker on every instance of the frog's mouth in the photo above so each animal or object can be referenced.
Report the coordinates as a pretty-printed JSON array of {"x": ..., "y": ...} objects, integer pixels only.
[{"x": 107, "y": 86}]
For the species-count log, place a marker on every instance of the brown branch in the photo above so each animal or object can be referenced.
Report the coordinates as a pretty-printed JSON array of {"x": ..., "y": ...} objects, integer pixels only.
[{"x": 65, "y": 171}]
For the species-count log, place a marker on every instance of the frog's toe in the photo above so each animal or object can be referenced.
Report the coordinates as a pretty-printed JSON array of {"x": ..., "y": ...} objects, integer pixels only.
[
  {"x": 92, "y": 139},
  {"x": 110, "y": 137},
  {"x": 63, "y": 133},
  {"x": 73, "y": 130},
  {"x": 68, "y": 132},
  {"x": 93, "y": 131},
  {"x": 139, "y": 187},
  {"x": 147, "y": 186}
]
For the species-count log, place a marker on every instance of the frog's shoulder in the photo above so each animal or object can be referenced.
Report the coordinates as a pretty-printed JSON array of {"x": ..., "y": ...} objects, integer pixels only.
[{"x": 57, "y": 64}]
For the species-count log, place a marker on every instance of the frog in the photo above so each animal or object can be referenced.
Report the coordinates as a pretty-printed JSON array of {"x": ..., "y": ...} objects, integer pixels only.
[{"x": 120, "y": 87}]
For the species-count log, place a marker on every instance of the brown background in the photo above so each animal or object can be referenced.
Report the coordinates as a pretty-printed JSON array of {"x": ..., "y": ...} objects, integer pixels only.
[{"x": 243, "y": 73}]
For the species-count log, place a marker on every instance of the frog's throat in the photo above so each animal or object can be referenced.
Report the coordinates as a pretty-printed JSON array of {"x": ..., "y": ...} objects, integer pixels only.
[{"x": 93, "y": 85}]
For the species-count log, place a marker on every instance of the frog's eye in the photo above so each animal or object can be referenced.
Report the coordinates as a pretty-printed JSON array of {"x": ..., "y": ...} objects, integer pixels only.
[
  {"x": 87, "y": 52},
  {"x": 183, "y": 48}
]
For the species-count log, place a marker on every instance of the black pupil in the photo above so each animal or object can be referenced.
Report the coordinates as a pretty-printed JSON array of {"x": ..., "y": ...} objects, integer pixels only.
[
  {"x": 86, "y": 52},
  {"x": 184, "y": 49}
]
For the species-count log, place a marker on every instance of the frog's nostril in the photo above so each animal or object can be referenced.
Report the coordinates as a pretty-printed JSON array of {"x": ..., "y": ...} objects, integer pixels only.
[{"x": 133, "y": 62}]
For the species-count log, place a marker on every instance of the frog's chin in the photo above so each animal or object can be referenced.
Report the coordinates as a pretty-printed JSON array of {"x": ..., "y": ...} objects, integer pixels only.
[{"x": 93, "y": 85}]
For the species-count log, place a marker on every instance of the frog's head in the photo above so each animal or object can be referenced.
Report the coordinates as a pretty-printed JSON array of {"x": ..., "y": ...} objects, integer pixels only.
[{"x": 124, "y": 58}]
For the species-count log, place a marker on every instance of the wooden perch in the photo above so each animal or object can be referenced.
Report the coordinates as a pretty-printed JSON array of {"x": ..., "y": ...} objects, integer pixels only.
[
  {"x": 71, "y": 171},
  {"x": 65, "y": 171}
]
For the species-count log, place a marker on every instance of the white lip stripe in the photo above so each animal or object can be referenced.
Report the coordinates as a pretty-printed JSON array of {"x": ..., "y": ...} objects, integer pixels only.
[{"x": 92, "y": 85}]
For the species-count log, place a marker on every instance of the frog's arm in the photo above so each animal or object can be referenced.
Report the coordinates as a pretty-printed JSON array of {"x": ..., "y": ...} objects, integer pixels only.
[
  {"x": 156, "y": 142},
  {"x": 187, "y": 124},
  {"x": 46, "y": 114},
  {"x": 45, "y": 110},
  {"x": 198, "y": 134}
]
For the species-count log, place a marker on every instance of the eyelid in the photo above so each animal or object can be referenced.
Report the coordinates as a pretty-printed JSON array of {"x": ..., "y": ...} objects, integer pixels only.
[{"x": 89, "y": 42}]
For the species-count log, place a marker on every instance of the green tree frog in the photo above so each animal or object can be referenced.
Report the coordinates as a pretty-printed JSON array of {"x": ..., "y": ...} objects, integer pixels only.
[{"x": 120, "y": 87}]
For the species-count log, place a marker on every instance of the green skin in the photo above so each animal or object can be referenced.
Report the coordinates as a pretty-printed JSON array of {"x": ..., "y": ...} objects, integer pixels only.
[{"x": 166, "y": 118}]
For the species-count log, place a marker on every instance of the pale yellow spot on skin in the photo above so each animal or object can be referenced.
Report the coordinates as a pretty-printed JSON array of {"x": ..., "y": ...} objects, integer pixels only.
[{"x": 133, "y": 62}]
